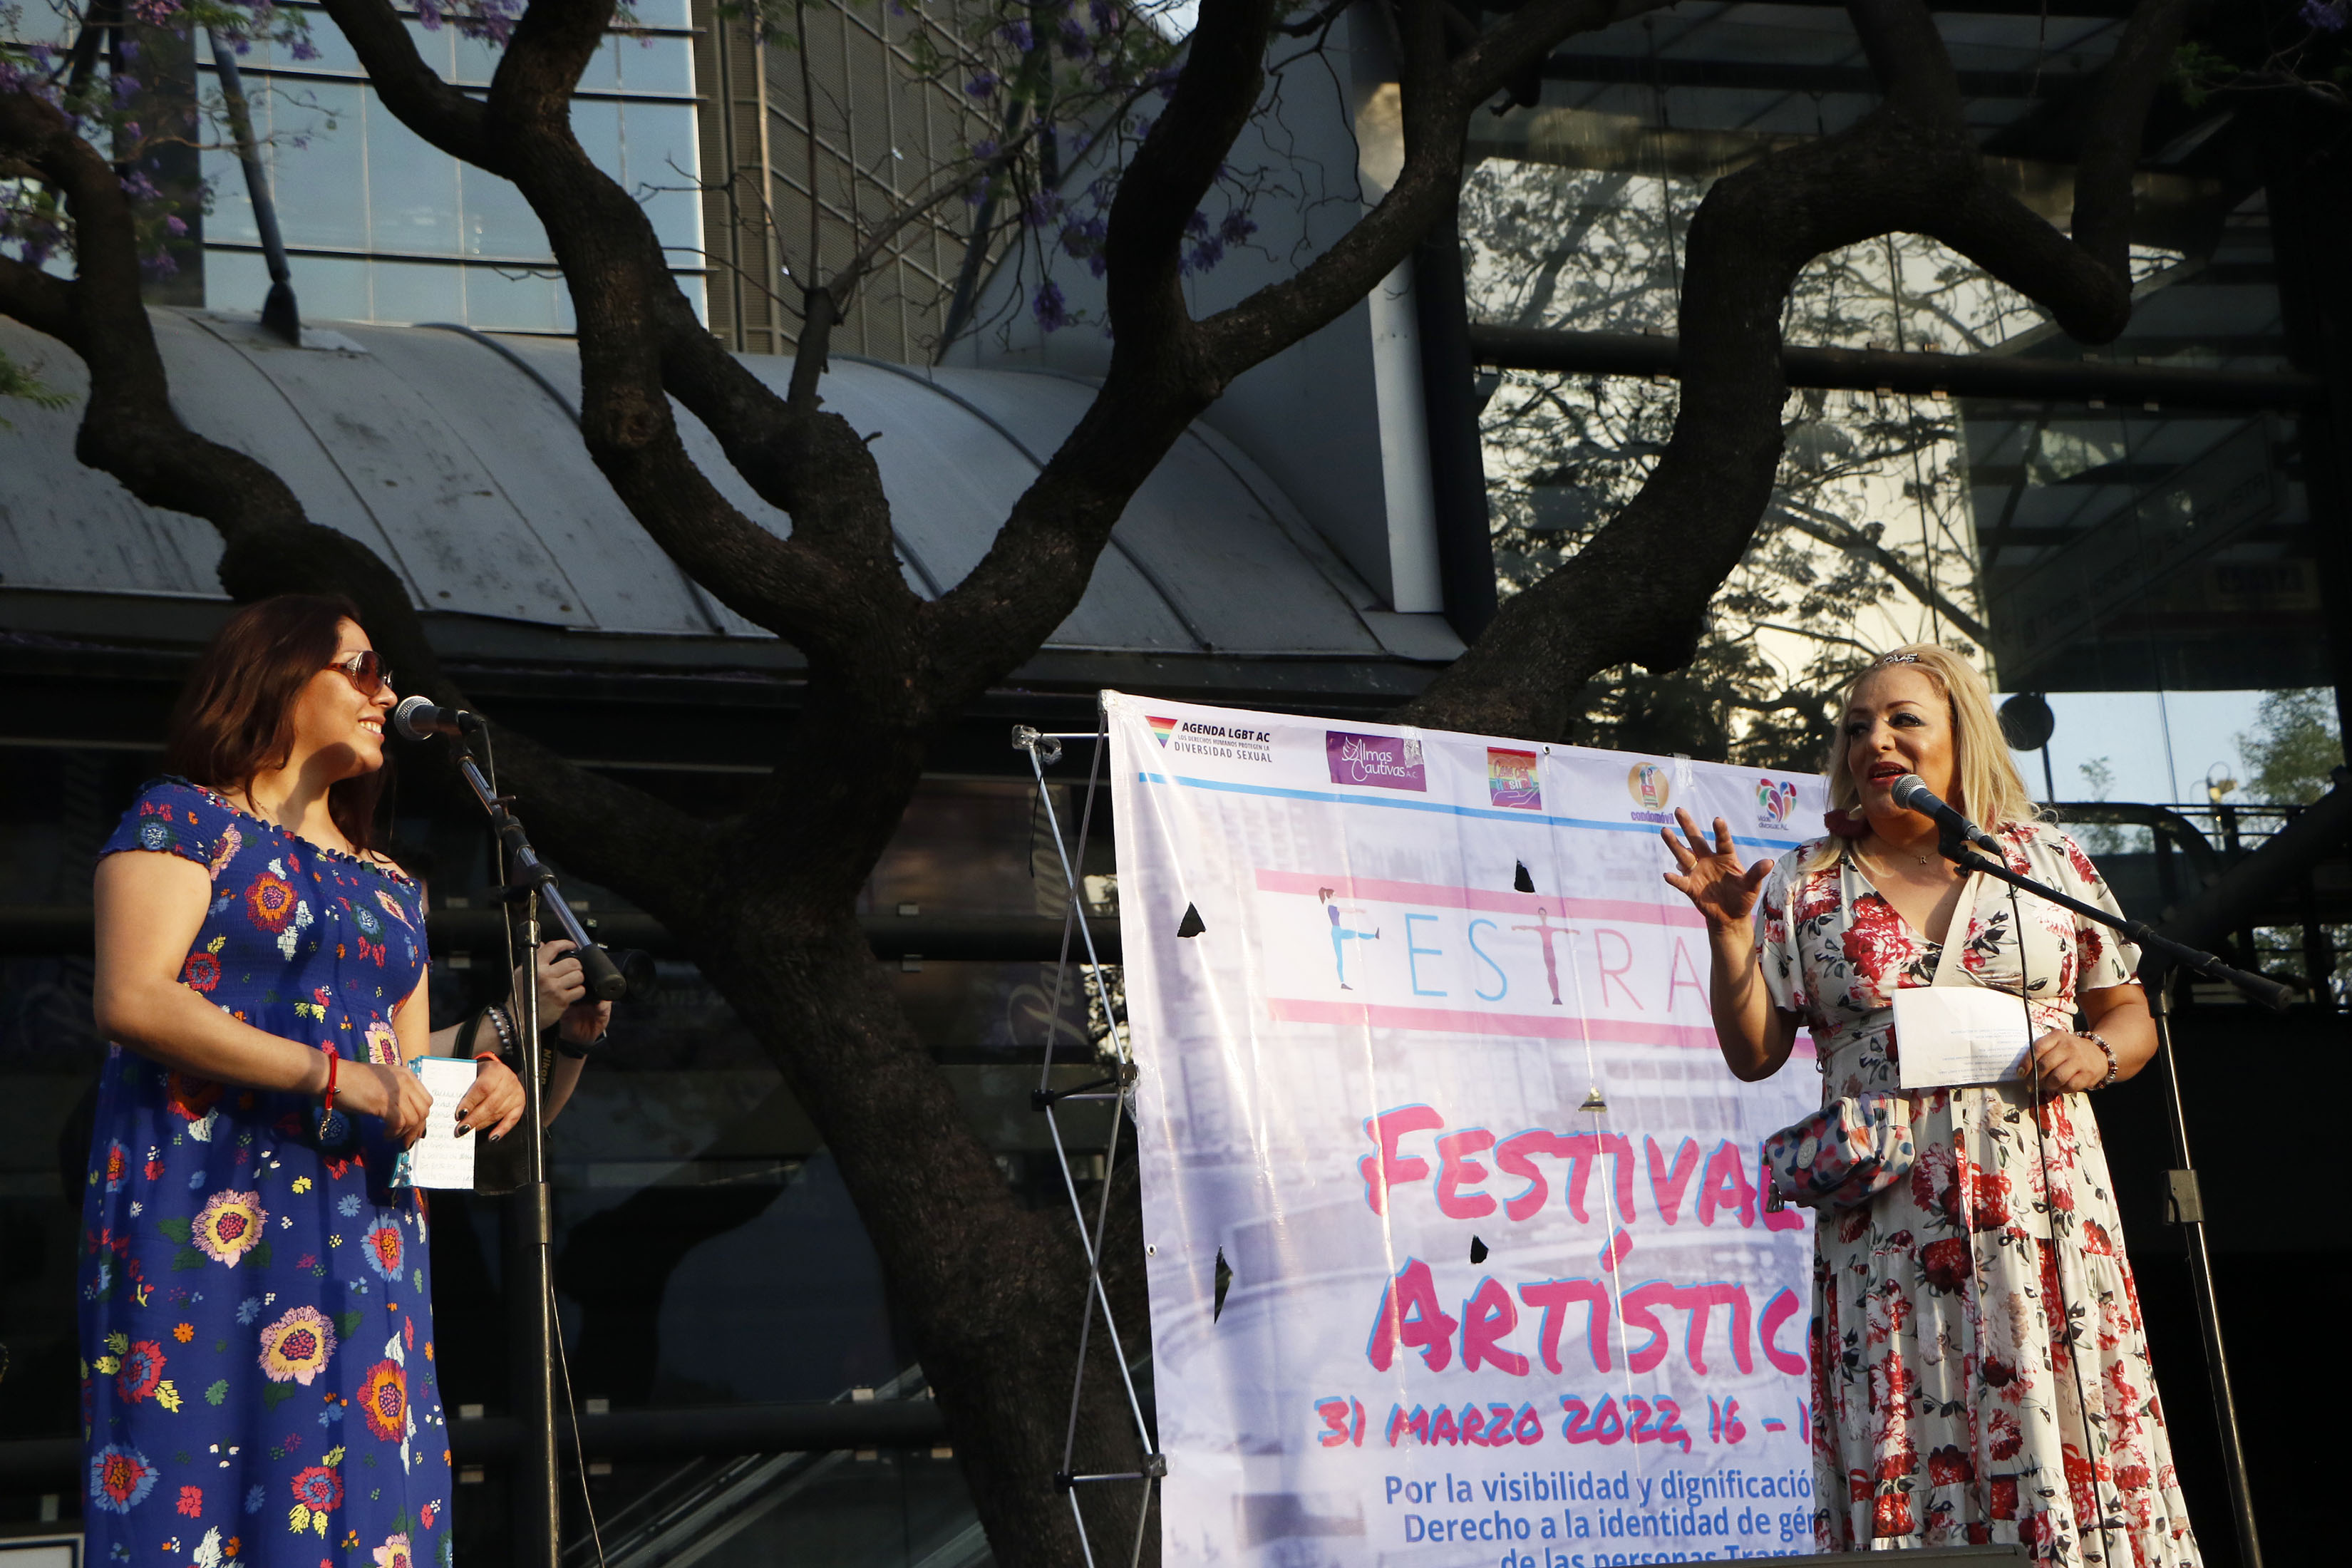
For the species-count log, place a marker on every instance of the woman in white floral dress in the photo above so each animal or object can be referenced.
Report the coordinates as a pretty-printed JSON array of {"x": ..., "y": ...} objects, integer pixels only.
[{"x": 1980, "y": 1373}]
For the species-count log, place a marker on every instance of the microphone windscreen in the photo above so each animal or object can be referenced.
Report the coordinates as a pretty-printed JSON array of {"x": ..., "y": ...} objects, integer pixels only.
[{"x": 404, "y": 716}]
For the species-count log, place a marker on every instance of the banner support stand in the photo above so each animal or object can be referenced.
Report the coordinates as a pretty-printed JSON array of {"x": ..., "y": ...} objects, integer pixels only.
[{"x": 1044, "y": 749}]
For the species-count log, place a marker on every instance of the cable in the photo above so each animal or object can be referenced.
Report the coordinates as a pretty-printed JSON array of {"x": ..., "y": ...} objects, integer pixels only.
[
  {"x": 579, "y": 1452},
  {"x": 2057, "y": 1270}
]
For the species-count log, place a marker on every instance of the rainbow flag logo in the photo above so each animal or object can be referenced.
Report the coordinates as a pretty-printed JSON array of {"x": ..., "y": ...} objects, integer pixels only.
[{"x": 1160, "y": 727}]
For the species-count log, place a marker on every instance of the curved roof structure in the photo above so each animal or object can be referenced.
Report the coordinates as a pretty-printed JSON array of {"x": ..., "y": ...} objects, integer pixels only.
[{"x": 457, "y": 458}]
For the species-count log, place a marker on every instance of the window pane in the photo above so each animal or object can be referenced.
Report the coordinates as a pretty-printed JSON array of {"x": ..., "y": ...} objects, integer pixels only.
[
  {"x": 656, "y": 64},
  {"x": 495, "y": 220},
  {"x": 412, "y": 189},
  {"x": 522, "y": 302},
  {"x": 662, "y": 165},
  {"x": 318, "y": 158},
  {"x": 326, "y": 43},
  {"x": 598, "y": 127},
  {"x": 419, "y": 291},
  {"x": 444, "y": 50},
  {"x": 232, "y": 212},
  {"x": 326, "y": 287},
  {"x": 603, "y": 71}
]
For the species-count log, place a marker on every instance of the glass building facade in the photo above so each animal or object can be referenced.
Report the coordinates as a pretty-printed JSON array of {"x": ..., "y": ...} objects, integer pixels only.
[
  {"x": 380, "y": 226},
  {"x": 2162, "y": 578}
]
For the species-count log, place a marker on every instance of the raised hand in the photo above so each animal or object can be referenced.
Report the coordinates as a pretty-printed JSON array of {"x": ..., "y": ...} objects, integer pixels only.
[{"x": 1710, "y": 876}]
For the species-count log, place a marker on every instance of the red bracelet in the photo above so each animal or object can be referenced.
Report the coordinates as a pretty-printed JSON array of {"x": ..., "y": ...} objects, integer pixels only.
[
  {"x": 489, "y": 1057},
  {"x": 333, "y": 1063}
]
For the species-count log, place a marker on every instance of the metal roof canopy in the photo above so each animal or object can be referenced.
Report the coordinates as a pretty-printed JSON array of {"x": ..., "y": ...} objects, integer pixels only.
[{"x": 457, "y": 458}]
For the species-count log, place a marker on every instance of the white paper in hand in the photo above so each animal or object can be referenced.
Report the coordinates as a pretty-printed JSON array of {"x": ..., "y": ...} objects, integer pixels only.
[
  {"x": 1948, "y": 1035},
  {"x": 441, "y": 1158}
]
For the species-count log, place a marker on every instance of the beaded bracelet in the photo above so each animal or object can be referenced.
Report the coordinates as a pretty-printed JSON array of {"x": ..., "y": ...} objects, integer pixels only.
[{"x": 2105, "y": 1050}]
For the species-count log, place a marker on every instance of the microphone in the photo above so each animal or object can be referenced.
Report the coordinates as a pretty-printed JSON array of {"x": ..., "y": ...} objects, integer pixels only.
[
  {"x": 416, "y": 718},
  {"x": 1911, "y": 794}
]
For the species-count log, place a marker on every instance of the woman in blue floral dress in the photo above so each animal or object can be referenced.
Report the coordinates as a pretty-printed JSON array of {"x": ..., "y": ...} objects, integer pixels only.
[{"x": 257, "y": 1327}]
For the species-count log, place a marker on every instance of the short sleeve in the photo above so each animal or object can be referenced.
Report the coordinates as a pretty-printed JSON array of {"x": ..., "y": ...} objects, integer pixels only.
[
  {"x": 1776, "y": 946},
  {"x": 170, "y": 816},
  {"x": 2104, "y": 959}
]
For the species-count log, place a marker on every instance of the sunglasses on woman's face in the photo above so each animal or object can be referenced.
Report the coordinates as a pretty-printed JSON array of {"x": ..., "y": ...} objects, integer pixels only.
[{"x": 365, "y": 671}]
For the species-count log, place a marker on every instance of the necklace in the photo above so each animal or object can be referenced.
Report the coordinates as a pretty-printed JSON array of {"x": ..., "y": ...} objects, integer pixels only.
[{"x": 1922, "y": 860}]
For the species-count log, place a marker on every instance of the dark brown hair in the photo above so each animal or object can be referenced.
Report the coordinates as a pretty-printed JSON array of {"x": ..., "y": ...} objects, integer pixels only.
[{"x": 236, "y": 716}]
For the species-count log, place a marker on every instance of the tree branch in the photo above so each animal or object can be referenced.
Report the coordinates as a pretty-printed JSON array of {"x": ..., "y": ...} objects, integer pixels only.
[
  {"x": 42, "y": 301},
  {"x": 2118, "y": 121},
  {"x": 1838, "y": 534},
  {"x": 450, "y": 120}
]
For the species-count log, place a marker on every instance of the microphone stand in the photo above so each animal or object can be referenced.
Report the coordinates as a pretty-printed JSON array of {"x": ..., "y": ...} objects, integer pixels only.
[
  {"x": 2184, "y": 1207},
  {"x": 529, "y": 1265}
]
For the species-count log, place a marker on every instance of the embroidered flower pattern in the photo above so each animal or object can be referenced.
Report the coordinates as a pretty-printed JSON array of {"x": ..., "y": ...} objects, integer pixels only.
[
  {"x": 230, "y": 1226},
  {"x": 120, "y": 1479},
  {"x": 381, "y": 1245},
  {"x": 297, "y": 1346},
  {"x": 384, "y": 1401}
]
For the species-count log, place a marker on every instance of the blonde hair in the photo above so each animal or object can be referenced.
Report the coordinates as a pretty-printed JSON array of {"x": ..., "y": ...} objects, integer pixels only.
[{"x": 1990, "y": 790}]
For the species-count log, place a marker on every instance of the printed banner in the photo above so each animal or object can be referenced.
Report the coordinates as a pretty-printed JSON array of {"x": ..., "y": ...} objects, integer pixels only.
[{"x": 1457, "y": 1248}]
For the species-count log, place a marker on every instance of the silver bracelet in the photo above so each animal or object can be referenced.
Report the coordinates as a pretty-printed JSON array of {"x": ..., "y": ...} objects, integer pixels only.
[{"x": 2109, "y": 1052}]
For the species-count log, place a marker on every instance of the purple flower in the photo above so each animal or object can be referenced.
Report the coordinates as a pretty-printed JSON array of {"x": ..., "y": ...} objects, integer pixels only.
[
  {"x": 175, "y": 226},
  {"x": 2327, "y": 15},
  {"x": 1051, "y": 313},
  {"x": 1018, "y": 35},
  {"x": 1074, "y": 40},
  {"x": 983, "y": 85},
  {"x": 1104, "y": 17},
  {"x": 1237, "y": 228}
]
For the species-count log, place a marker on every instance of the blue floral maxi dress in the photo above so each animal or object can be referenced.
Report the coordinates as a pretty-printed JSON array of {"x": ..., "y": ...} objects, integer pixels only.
[{"x": 257, "y": 1329}]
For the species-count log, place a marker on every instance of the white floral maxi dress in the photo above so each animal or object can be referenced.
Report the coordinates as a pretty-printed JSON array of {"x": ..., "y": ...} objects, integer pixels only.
[{"x": 1946, "y": 1403}]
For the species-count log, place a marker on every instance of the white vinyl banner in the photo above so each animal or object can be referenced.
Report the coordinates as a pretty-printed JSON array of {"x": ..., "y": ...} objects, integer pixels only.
[{"x": 1457, "y": 1247}]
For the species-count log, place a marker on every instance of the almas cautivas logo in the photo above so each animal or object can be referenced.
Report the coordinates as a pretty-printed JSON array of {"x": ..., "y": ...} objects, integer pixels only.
[
  {"x": 1385, "y": 762},
  {"x": 1228, "y": 741},
  {"x": 1776, "y": 802}
]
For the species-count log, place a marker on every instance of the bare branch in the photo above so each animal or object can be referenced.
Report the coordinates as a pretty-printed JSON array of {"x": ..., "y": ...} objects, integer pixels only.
[{"x": 1839, "y": 534}]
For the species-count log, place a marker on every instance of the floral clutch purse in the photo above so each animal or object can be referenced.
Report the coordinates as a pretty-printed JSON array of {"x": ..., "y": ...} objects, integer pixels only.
[{"x": 1842, "y": 1153}]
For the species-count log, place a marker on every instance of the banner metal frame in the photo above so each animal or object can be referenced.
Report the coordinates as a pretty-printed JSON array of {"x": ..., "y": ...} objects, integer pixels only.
[{"x": 1117, "y": 1089}]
